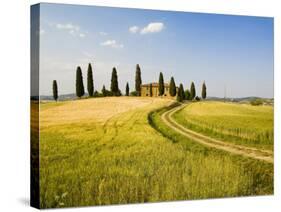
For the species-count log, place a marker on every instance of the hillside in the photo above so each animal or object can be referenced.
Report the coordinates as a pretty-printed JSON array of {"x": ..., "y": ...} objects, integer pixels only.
[{"x": 104, "y": 151}]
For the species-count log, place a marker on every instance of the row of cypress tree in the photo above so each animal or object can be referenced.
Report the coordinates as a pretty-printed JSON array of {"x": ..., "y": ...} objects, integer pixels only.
[
  {"x": 191, "y": 94},
  {"x": 114, "y": 87},
  {"x": 115, "y": 91},
  {"x": 181, "y": 93}
]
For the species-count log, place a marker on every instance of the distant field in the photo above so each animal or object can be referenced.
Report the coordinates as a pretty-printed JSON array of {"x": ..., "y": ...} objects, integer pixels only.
[
  {"x": 239, "y": 123},
  {"x": 104, "y": 151}
]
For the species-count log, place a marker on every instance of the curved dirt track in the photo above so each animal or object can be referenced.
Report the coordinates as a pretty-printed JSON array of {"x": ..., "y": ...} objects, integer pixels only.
[{"x": 264, "y": 155}]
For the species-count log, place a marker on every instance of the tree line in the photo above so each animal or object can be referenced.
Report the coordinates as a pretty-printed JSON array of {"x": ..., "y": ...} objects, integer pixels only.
[
  {"x": 188, "y": 94},
  {"x": 191, "y": 93}
]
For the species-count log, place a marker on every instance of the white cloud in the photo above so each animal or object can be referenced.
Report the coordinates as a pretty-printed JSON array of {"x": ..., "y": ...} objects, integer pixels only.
[
  {"x": 133, "y": 29},
  {"x": 68, "y": 27},
  {"x": 81, "y": 35},
  {"x": 112, "y": 43},
  {"x": 42, "y": 32},
  {"x": 72, "y": 32},
  {"x": 72, "y": 29},
  {"x": 153, "y": 28},
  {"x": 103, "y": 33}
]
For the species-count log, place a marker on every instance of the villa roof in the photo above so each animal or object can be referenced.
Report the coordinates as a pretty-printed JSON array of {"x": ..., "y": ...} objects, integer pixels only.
[{"x": 154, "y": 84}]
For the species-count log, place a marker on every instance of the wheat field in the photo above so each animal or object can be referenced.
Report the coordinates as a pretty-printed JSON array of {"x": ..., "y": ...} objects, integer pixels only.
[
  {"x": 242, "y": 124},
  {"x": 104, "y": 151}
]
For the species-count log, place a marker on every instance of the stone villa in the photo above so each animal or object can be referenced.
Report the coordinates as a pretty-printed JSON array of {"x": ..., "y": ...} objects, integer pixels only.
[{"x": 145, "y": 89}]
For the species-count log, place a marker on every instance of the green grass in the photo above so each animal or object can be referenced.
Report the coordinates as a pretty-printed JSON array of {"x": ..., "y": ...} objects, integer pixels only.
[
  {"x": 125, "y": 160},
  {"x": 251, "y": 177},
  {"x": 238, "y": 123}
]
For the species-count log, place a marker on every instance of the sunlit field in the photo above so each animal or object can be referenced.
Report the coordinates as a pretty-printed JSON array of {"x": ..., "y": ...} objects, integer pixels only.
[
  {"x": 116, "y": 150},
  {"x": 238, "y": 123}
]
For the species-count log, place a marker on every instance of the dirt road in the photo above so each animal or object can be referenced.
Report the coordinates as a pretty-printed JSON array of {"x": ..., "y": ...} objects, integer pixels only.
[{"x": 264, "y": 155}]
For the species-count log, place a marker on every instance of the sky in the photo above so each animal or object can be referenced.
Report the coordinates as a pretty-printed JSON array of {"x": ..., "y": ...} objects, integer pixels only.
[{"x": 225, "y": 51}]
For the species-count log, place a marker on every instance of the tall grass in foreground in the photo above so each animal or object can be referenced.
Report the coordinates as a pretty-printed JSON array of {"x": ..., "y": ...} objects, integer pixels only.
[
  {"x": 241, "y": 124},
  {"x": 125, "y": 160}
]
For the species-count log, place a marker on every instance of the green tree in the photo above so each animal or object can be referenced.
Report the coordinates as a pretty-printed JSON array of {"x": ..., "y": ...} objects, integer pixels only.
[
  {"x": 90, "y": 82},
  {"x": 161, "y": 84},
  {"x": 180, "y": 96},
  {"x": 204, "y": 91},
  {"x": 187, "y": 94},
  {"x": 55, "y": 90},
  {"x": 150, "y": 89},
  {"x": 127, "y": 89},
  {"x": 79, "y": 83},
  {"x": 172, "y": 89},
  {"x": 138, "y": 80},
  {"x": 103, "y": 91},
  {"x": 256, "y": 102},
  {"x": 97, "y": 94},
  {"x": 133, "y": 93},
  {"x": 192, "y": 91},
  {"x": 182, "y": 92},
  {"x": 114, "y": 83}
]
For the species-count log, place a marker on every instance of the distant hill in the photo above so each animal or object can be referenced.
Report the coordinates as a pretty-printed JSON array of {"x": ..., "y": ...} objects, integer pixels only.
[
  {"x": 72, "y": 96},
  {"x": 61, "y": 97},
  {"x": 243, "y": 99}
]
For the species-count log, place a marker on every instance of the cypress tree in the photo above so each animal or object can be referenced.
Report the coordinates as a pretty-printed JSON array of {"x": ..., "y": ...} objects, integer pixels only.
[
  {"x": 161, "y": 84},
  {"x": 182, "y": 92},
  {"x": 79, "y": 83},
  {"x": 179, "y": 99},
  {"x": 127, "y": 89},
  {"x": 103, "y": 91},
  {"x": 192, "y": 91},
  {"x": 138, "y": 80},
  {"x": 90, "y": 84},
  {"x": 114, "y": 83},
  {"x": 55, "y": 90},
  {"x": 150, "y": 90},
  {"x": 187, "y": 94},
  {"x": 204, "y": 91},
  {"x": 180, "y": 96},
  {"x": 173, "y": 89}
]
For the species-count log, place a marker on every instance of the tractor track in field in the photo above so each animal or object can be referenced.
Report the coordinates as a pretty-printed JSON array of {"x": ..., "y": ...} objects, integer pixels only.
[{"x": 264, "y": 155}]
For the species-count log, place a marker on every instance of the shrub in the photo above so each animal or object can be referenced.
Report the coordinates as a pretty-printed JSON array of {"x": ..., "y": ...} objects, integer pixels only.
[
  {"x": 256, "y": 102},
  {"x": 134, "y": 93},
  {"x": 97, "y": 94}
]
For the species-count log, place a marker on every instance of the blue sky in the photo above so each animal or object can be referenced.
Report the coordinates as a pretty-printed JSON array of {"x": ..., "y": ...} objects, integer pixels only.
[{"x": 223, "y": 50}]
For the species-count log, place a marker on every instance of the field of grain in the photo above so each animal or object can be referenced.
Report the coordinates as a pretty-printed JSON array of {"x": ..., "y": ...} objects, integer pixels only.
[
  {"x": 239, "y": 123},
  {"x": 104, "y": 151}
]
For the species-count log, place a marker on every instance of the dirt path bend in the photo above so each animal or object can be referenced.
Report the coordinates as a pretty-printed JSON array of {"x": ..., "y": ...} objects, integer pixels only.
[{"x": 265, "y": 155}]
